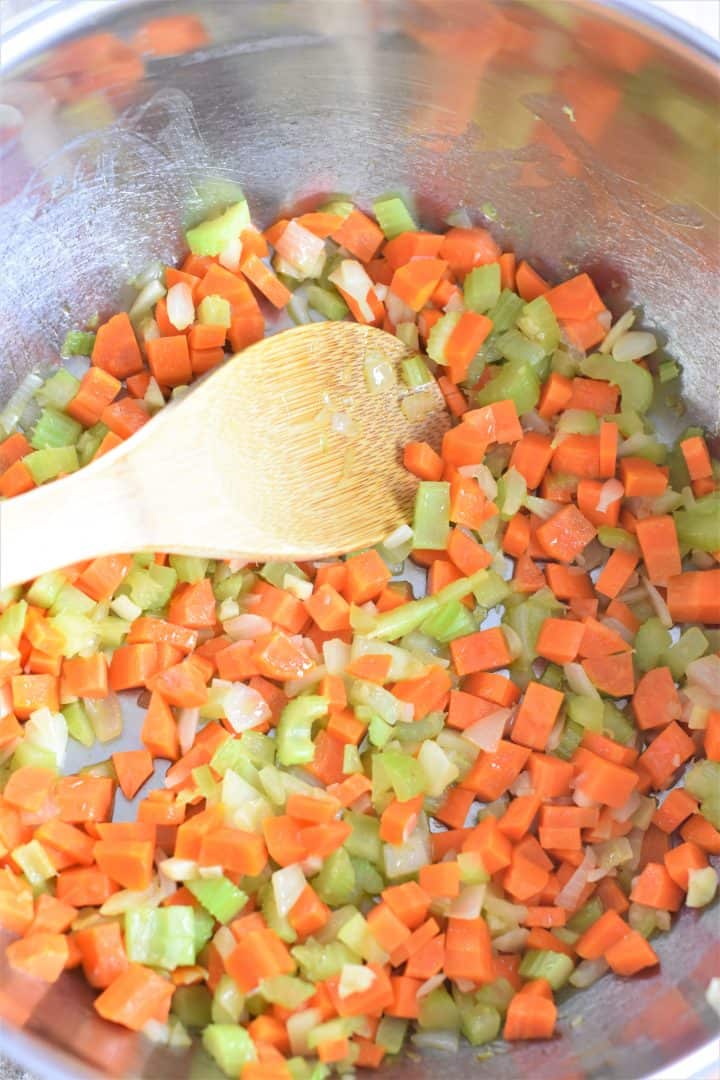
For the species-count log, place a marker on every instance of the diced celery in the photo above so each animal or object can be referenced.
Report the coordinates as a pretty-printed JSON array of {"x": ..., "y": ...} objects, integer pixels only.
[
  {"x": 150, "y": 588},
  {"x": 327, "y": 301},
  {"x": 322, "y": 961},
  {"x": 336, "y": 884},
  {"x": 230, "y": 1046},
  {"x": 339, "y": 1028},
  {"x": 518, "y": 349},
  {"x": 553, "y": 676},
  {"x": 481, "y": 287},
  {"x": 46, "y": 464},
  {"x": 479, "y": 1024},
  {"x": 438, "y": 1011},
  {"x": 191, "y": 1004},
  {"x": 89, "y": 442},
  {"x": 629, "y": 423},
  {"x": 54, "y": 429},
  {"x": 379, "y": 732},
  {"x": 505, "y": 311},
  {"x": 273, "y": 918},
  {"x": 405, "y": 774},
  {"x": 294, "y": 731},
  {"x": 517, "y": 381},
  {"x": 440, "y": 335},
  {"x": 651, "y": 641},
  {"x": 339, "y": 205},
  {"x": 367, "y": 878},
  {"x": 190, "y": 568},
  {"x": 259, "y": 748},
  {"x": 419, "y": 730},
  {"x": 275, "y": 572},
  {"x": 45, "y": 589},
  {"x": 364, "y": 840},
  {"x": 635, "y": 382},
  {"x": 491, "y": 590},
  {"x": 218, "y": 896},
  {"x": 668, "y": 370},
  {"x": 27, "y": 753},
  {"x": 112, "y": 631},
  {"x": 391, "y": 1033},
  {"x": 545, "y": 964},
  {"x": 286, "y": 991},
  {"x": 612, "y": 536},
  {"x": 230, "y": 588},
  {"x": 232, "y": 755},
  {"x": 12, "y": 621},
  {"x": 214, "y": 310},
  {"x": 526, "y": 620},
  {"x": 572, "y": 736},
  {"x": 431, "y": 518},
  {"x": 586, "y": 711},
  {"x": 512, "y": 491},
  {"x": 499, "y": 994},
  {"x": 77, "y": 343},
  {"x": 537, "y": 321},
  {"x": 415, "y": 372},
  {"x": 160, "y": 937},
  {"x": 203, "y": 928},
  {"x": 213, "y": 236},
  {"x": 617, "y": 724},
  {"x": 357, "y": 935},
  {"x": 703, "y": 779},
  {"x": 585, "y": 916},
  {"x": 690, "y": 646},
  {"x": 34, "y": 861},
  {"x": 78, "y": 723},
  {"x": 81, "y": 634},
  {"x": 699, "y": 527},
  {"x": 228, "y": 1002},
  {"x": 71, "y": 601},
  {"x": 58, "y": 391},
  {"x": 393, "y": 216}
]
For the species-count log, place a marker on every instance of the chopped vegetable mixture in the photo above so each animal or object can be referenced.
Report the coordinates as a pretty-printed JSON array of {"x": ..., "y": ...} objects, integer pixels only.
[{"x": 383, "y": 818}]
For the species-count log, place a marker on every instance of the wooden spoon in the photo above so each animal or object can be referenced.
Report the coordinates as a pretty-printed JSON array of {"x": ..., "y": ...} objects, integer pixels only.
[{"x": 282, "y": 453}]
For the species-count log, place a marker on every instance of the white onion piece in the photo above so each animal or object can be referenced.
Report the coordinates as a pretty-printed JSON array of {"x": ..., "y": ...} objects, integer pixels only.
[
  {"x": 445, "y": 1041},
  {"x": 484, "y": 477},
  {"x": 610, "y": 492},
  {"x": 587, "y": 972},
  {"x": 514, "y": 643},
  {"x": 231, "y": 254},
  {"x": 355, "y": 979},
  {"x": 619, "y": 628},
  {"x": 468, "y": 904},
  {"x": 623, "y": 323},
  {"x": 569, "y": 895},
  {"x": 399, "y": 536},
  {"x": 579, "y": 681},
  {"x": 513, "y": 941},
  {"x": 245, "y": 708},
  {"x": 336, "y": 654},
  {"x": 187, "y": 724},
  {"x": 299, "y": 1026},
  {"x": 398, "y": 311},
  {"x": 487, "y": 732},
  {"x": 352, "y": 278},
  {"x": 705, "y": 672},
  {"x": 287, "y": 883},
  {"x": 247, "y": 627},
  {"x": 178, "y": 869},
  {"x": 622, "y": 813},
  {"x": 180, "y": 306},
  {"x": 522, "y": 784},
  {"x": 302, "y": 249},
  {"x": 659, "y": 606},
  {"x": 431, "y": 984},
  {"x": 634, "y": 345}
]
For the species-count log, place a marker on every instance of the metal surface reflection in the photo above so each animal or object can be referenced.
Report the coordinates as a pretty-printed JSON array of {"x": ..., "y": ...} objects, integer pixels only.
[{"x": 586, "y": 137}]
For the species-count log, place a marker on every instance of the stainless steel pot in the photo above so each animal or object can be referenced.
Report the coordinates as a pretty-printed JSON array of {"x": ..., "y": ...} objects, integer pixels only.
[{"x": 587, "y": 133}]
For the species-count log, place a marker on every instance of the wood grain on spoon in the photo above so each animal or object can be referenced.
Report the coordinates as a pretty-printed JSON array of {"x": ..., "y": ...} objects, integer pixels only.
[{"x": 282, "y": 453}]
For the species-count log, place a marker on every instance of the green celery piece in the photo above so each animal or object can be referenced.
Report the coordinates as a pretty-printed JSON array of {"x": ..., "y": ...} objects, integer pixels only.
[
  {"x": 572, "y": 736},
  {"x": 699, "y": 527},
  {"x": 230, "y": 1046},
  {"x": 546, "y": 964},
  {"x": 612, "y": 536},
  {"x": 328, "y": 302},
  {"x": 391, "y": 625},
  {"x": 218, "y": 896},
  {"x": 479, "y": 1024},
  {"x": 286, "y": 990},
  {"x": 112, "y": 630},
  {"x": 367, "y": 877},
  {"x": 710, "y": 809},
  {"x": 192, "y": 1006},
  {"x": 516, "y": 381},
  {"x": 89, "y": 442},
  {"x": 537, "y": 321},
  {"x": 491, "y": 590},
  {"x": 512, "y": 493},
  {"x": 518, "y": 349},
  {"x": 71, "y": 601},
  {"x": 205, "y": 783},
  {"x": 77, "y": 343},
  {"x": 47, "y": 464},
  {"x": 586, "y": 711},
  {"x": 391, "y": 1033},
  {"x": 526, "y": 619},
  {"x": 553, "y": 676},
  {"x": 259, "y": 748},
  {"x": 438, "y": 1011},
  {"x": 81, "y": 634},
  {"x": 579, "y": 422},
  {"x": 336, "y": 883},
  {"x": 690, "y": 646},
  {"x": 651, "y": 641},
  {"x": 415, "y": 372},
  {"x": 78, "y": 723},
  {"x": 340, "y": 205},
  {"x": 275, "y": 572},
  {"x": 617, "y": 724},
  {"x": 12, "y": 621},
  {"x": 440, "y": 335},
  {"x": 629, "y": 423},
  {"x": 149, "y": 589},
  {"x": 273, "y": 918},
  {"x": 232, "y": 586},
  {"x": 27, "y": 753},
  {"x": 431, "y": 518},
  {"x": 100, "y": 769},
  {"x": 449, "y": 622},
  {"x": 499, "y": 994},
  {"x": 44, "y": 590},
  {"x": 160, "y": 937},
  {"x": 379, "y": 732},
  {"x": 189, "y": 568},
  {"x": 54, "y": 429},
  {"x": 481, "y": 288},
  {"x": 393, "y": 216},
  {"x": 405, "y": 775},
  {"x": 416, "y": 732},
  {"x": 588, "y": 914},
  {"x": 204, "y": 925},
  {"x": 352, "y": 762},
  {"x": 668, "y": 371},
  {"x": 214, "y": 310},
  {"x": 58, "y": 391},
  {"x": 563, "y": 363},
  {"x": 703, "y": 779},
  {"x": 213, "y": 236},
  {"x": 294, "y": 731},
  {"x": 231, "y": 754},
  {"x": 364, "y": 840},
  {"x": 505, "y": 312},
  {"x": 376, "y": 698},
  {"x": 321, "y": 961},
  {"x": 332, "y": 1029},
  {"x": 35, "y": 863},
  {"x": 636, "y": 384}
]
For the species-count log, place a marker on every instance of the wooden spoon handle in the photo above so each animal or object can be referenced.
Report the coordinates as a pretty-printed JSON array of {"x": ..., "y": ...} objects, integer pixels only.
[{"x": 90, "y": 513}]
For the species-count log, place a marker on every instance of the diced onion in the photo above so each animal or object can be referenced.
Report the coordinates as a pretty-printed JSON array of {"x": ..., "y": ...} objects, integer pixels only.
[
  {"x": 417, "y": 404},
  {"x": 587, "y": 972},
  {"x": 48, "y": 730},
  {"x": 659, "y": 606},
  {"x": 352, "y": 278},
  {"x": 287, "y": 883},
  {"x": 572, "y": 890},
  {"x": 146, "y": 300},
  {"x": 124, "y": 608},
  {"x": 302, "y": 249},
  {"x": 187, "y": 725},
  {"x": 336, "y": 654},
  {"x": 610, "y": 492},
  {"x": 431, "y": 984},
  {"x": 623, "y": 323},
  {"x": 513, "y": 941},
  {"x": 579, "y": 681},
  {"x": 247, "y": 627},
  {"x": 355, "y": 979},
  {"x": 633, "y": 346},
  {"x": 231, "y": 254},
  {"x": 468, "y": 904},
  {"x": 435, "y": 1039},
  {"x": 398, "y": 311},
  {"x": 178, "y": 869},
  {"x": 399, "y": 536},
  {"x": 180, "y": 306},
  {"x": 105, "y": 716},
  {"x": 245, "y": 708},
  {"x": 299, "y": 1026},
  {"x": 486, "y": 480},
  {"x": 487, "y": 732}
]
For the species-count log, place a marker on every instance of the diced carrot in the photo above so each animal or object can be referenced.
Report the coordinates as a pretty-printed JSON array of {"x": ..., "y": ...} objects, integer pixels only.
[{"x": 116, "y": 349}]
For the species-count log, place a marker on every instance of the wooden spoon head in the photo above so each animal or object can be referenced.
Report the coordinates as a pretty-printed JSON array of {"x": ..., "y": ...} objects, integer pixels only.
[{"x": 292, "y": 455}]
